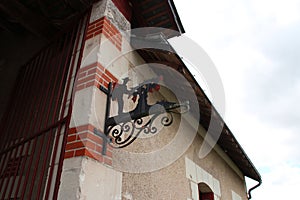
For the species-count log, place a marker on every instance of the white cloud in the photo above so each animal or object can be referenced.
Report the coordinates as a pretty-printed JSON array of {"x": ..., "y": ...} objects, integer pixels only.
[
  {"x": 255, "y": 46},
  {"x": 281, "y": 13},
  {"x": 281, "y": 182}
]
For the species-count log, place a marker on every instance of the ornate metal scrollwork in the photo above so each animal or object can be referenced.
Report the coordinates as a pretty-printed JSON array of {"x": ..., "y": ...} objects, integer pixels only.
[
  {"x": 125, "y": 128},
  {"x": 124, "y": 133}
]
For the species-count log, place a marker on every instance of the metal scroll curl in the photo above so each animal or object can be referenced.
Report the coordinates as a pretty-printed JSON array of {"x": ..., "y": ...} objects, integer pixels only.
[
  {"x": 123, "y": 129},
  {"x": 124, "y": 133}
]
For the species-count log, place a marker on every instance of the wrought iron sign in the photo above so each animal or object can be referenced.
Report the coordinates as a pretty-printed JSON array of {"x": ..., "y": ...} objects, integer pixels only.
[{"x": 124, "y": 128}]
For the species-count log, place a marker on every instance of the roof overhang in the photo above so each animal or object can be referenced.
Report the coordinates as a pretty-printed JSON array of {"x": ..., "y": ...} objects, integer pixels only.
[
  {"x": 157, "y": 13},
  {"x": 166, "y": 55}
]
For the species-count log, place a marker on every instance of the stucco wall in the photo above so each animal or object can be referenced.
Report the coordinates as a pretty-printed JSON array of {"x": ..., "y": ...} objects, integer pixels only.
[
  {"x": 174, "y": 182},
  {"x": 155, "y": 167},
  {"x": 216, "y": 166},
  {"x": 167, "y": 183}
]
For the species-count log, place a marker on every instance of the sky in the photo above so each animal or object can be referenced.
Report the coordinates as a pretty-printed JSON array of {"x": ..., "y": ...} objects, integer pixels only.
[{"x": 255, "y": 48}]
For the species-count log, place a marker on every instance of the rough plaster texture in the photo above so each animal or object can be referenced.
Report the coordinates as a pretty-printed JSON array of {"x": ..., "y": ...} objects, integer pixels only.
[
  {"x": 172, "y": 182},
  {"x": 84, "y": 178},
  {"x": 168, "y": 183},
  {"x": 217, "y": 167},
  {"x": 149, "y": 152}
]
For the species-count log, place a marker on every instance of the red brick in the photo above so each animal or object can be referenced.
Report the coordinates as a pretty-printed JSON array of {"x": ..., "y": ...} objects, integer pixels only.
[
  {"x": 119, "y": 42},
  {"x": 98, "y": 78},
  {"x": 92, "y": 71},
  {"x": 116, "y": 42},
  {"x": 90, "y": 84},
  {"x": 100, "y": 23},
  {"x": 110, "y": 75},
  {"x": 90, "y": 127},
  {"x": 97, "y": 84},
  {"x": 109, "y": 153},
  {"x": 88, "y": 153},
  {"x": 90, "y": 136},
  {"x": 99, "y": 157},
  {"x": 71, "y": 138},
  {"x": 89, "y": 36},
  {"x": 81, "y": 75},
  {"x": 80, "y": 152},
  {"x": 88, "y": 67},
  {"x": 89, "y": 144},
  {"x": 109, "y": 32},
  {"x": 97, "y": 21},
  {"x": 98, "y": 148},
  {"x": 81, "y": 128},
  {"x": 105, "y": 84},
  {"x": 108, "y": 161},
  {"x": 107, "y": 22},
  {"x": 72, "y": 130},
  {"x": 74, "y": 145},
  {"x": 99, "y": 71},
  {"x": 115, "y": 80},
  {"x": 112, "y": 40},
  {"x": 105, "y": 77},
  {"x": 86, "y": 79},
  {"x": 119, "y": 47},
  {"x": 82, "y": 136},
  {"x": 98, "y": 28},
  {"x": 95, "y": 29},
  {"x": 119, "y": 37},
  {"x": 80, "y": 87},
  {"x": 106, "y": 34},
  {"x": 100, "y": 81},
  {"x": 85, "y": 127},
  {"x": 98, "y": 32},
  {"x": 113, "y": 30},
  {"x": 100, "y": 67},
  {"x": 108, "y": 29},
  {"x": 109, "y": 148},
  {"x": 95, "y": 138},
  {"x": 69, "y": 154},
  {"x": 91, "y": 26}
]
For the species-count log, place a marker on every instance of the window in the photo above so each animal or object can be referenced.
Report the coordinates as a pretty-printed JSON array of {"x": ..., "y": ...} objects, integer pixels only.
[{"x": 205, "y": 193}]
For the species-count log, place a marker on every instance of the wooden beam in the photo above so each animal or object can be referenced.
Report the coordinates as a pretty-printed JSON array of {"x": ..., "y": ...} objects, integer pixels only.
[
  {"x": 33, "y": 22},
  {"x": 154, "y": 7}
]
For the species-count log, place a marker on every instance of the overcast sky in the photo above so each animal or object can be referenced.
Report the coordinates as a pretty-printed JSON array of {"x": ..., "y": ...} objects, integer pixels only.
[{"x": 255, "y": 47}]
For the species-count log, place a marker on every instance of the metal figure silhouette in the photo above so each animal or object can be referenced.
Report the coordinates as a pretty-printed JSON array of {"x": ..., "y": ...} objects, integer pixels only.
[
  {"x": 119, "y": 91},
  {"x": 140, "y": 92}
]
